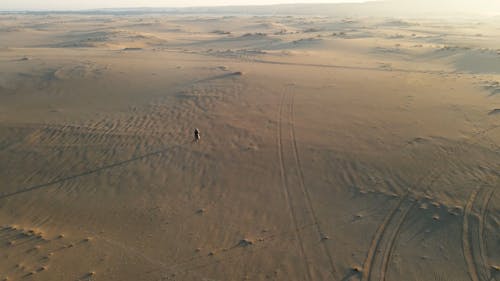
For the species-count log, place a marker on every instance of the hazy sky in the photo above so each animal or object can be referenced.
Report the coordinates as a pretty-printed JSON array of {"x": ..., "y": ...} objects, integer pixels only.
[{"x": 91, "y": 4}]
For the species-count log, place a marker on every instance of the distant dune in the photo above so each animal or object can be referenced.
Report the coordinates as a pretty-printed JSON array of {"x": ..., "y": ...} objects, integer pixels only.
[{"x": 390, "y": 8}]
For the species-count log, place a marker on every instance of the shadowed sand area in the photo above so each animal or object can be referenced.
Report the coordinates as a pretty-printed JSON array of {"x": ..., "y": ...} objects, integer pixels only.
[{"x": 332, "y": 147}]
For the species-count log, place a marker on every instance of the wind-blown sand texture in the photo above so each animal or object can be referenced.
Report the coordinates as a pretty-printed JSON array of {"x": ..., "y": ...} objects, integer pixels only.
[{"x": 333, "y": 148}]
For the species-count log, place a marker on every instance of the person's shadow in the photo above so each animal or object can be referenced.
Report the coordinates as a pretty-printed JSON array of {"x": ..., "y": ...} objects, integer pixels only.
[{"x": 88, "y": 172}]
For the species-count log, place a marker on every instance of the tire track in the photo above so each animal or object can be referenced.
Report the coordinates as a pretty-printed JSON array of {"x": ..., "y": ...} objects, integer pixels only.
[
  {"x": 384, "y": 240},
  {"x": 401, "y": 210},
  {"x": 482, "y": 244},
  {"x": 393, "y": 239},
  {"x": 303, "y": 187},
  {"x": 467, "y": 250},
  {"x": 382, "y": 246},
  {"x": 473, "y": 234},
  {"x": 285, "y": 186}
]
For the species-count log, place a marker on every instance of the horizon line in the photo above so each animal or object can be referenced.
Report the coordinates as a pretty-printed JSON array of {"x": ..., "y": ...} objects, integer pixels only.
[{"x": 186, "y": 7}]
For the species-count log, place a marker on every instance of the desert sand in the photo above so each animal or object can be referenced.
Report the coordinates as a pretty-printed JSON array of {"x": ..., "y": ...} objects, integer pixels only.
[{"x": 333, "y": 148}]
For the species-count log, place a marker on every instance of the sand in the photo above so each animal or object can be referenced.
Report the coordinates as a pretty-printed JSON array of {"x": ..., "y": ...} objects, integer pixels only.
[{"x": 333, "y": 148}]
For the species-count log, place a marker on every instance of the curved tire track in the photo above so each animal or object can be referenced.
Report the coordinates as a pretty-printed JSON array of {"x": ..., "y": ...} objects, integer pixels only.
[
  {"x": 383, "y": 242},
  {"x": 474, "y": 249},
  {"x": 473, "y": 245},
  {"x": 393, "y": 239}
]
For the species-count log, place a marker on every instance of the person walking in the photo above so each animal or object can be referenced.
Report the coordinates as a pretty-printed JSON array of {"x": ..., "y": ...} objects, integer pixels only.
[{"x": 196, "y": 135}]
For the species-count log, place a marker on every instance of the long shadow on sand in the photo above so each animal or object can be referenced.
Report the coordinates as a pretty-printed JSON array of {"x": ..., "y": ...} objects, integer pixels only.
[{"x": 89, "y": 172}]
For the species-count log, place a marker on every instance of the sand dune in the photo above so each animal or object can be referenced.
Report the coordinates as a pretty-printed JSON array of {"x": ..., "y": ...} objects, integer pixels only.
[
  {"x": 494, "y": 111},
  {"x": 335, "y": 147}
]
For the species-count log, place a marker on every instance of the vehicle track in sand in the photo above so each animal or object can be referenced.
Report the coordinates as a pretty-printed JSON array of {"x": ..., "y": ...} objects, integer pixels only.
[
  {"x": 473, "y": 244},
  {"x": 382, "y": 245},
  {"x": 285, "y": 184},
  {"x": 293, "y": 182},
  {"x": 305, "y": 190}
]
